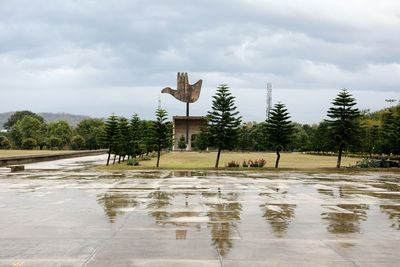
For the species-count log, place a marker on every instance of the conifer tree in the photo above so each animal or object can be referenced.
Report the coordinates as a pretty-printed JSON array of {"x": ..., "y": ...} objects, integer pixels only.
[
  {"x": 223, "y": 121},
  {"x": 344, "y": 125},
  {"x": 110, "y": 135},
  {"x": 136, "y": 137},
  {"x": 123, "y": 137},
  {"x": 161, "y": 133},
  {"x": 279, "y": 129},
  {"x": 182, "y": 143}
]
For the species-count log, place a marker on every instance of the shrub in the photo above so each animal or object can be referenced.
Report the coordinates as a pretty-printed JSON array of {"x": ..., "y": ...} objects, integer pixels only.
[
  {"x": 376, "y": 163},
  {"x": 54, "y": 142},
  {"x": 4, "y": 143},
  {"x": 258, "y": 163},
  {"x": 244, "y": 164},
  {"x": 77, "y": 142},
  {"x": 29, "y": 143},
  {"x": 233, "y": 164},
  {"x": 132, "y": 162}
]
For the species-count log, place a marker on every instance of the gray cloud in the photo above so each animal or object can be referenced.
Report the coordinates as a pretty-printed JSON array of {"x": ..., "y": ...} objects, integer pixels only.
[{"x": 83, "y": 49}]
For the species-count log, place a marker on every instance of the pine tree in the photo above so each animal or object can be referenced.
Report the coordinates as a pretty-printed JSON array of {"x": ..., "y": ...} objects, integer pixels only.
[
  {"x": 344, "y": 126},
  {"x": 182, "y": 143},
  {"x": 110, "y": 135},
  {"x": 279, "y": 129},
  {"x": 123, "y": 138},
  {"x": 223, "y": 121},
  {"x": 136, "y": 137},
  {"x": 161, "y": 133}
]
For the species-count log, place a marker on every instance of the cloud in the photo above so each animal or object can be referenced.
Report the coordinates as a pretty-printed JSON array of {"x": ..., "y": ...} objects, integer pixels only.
[{"x": 86, "y": 47}]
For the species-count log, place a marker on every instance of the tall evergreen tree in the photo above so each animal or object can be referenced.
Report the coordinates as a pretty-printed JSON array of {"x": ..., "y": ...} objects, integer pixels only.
[
  {"x": 123, "y": 138},
  {"x": 110, "y": 138},
  {"x": 344, "y": 125},
  {"x": 161, "y": 133},
  {"x": 136, "y": 142},
  {"x": 279, "y": 129},
  {"x": 223, "y": 121}
]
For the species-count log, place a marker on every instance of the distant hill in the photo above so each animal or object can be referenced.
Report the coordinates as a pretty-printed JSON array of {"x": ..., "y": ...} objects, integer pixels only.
[{"x": 72, "y": 119}]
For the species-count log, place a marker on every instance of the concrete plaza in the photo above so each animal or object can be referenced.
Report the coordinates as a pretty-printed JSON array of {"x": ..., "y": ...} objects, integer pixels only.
[{"x": 62, "y": 213}]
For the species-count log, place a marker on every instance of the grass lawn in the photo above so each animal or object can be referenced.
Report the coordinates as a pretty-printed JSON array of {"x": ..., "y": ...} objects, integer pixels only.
[
  {"x": 206, "y": 160},
  {"x": 11, "y": 153}
]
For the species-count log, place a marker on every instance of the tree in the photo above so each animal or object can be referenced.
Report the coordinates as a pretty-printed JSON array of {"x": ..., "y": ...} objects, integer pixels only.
[
  {"x": 137, "y": 144},
  {"x": 123, "y": 137},
  {"x": 61, "y": 130},
  {"x": 161, "y": 133},
  {"x": 54, "y": 142},
  {"x": 110, "y": 135},
  {"x": 28, "y": 127},
  {"x": 19, "y": 115},
  {"x": 29, "y": 143},
  {"x": 223, "y": 121},
  {"x": 344, "y": 125},
  {"x": 201, "y": 140},
  {"x": 91, "y": 130},
  {"x": 77, "y": 142},
  {"x": 4, "y": 142},
  {"x": 279, "y": 129},
  {"x": 182, "y": 143}
]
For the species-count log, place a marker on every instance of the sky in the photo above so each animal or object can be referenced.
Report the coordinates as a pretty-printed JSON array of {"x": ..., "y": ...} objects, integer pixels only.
[{"x": 101, "y": 57}]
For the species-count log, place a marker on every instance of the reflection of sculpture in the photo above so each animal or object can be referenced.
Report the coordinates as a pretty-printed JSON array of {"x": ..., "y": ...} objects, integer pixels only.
[{"x": 185, "y": 92}]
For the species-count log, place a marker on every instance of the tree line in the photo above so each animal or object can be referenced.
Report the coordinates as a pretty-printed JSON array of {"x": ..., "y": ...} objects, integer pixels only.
[
  {"x": 346, "y": 129},
  {"x": 28, "y": 130}
]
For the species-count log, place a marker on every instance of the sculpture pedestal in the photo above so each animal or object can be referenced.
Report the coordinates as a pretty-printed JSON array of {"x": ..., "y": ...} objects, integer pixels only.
[{"x": 179, "y": 123}]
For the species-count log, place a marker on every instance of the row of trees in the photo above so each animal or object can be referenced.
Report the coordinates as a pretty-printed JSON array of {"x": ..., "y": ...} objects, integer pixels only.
[
  {"x": 135, "y": 137},
  {"x": 345, "y": 129},
  {"x": 27, "y": 130}
]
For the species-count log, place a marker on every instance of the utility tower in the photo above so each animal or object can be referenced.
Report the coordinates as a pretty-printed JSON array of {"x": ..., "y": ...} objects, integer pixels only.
[
  {"x": 269, "y": 100},
  {"x": 159, "y": 102}
]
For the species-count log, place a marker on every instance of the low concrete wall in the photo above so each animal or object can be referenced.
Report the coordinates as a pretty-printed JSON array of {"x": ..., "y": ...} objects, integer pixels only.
[{"x": 25, "y": 159}]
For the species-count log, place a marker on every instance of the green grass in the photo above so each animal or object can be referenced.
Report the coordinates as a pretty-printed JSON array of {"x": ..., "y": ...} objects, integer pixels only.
[
  {"x": 206, "y": 160},
  {"x": 11, "y": 153}
]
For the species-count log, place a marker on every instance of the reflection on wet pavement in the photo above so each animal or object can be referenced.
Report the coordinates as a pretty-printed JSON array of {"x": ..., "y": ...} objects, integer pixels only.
[{"x": 64, "y": 213}]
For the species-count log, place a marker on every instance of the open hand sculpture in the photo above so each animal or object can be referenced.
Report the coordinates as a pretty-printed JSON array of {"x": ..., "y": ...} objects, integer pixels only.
[{"x": 185, "y": 92}]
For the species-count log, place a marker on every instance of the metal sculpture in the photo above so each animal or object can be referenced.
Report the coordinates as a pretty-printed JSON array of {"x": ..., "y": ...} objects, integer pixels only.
[{"x": 185, "y": 92}]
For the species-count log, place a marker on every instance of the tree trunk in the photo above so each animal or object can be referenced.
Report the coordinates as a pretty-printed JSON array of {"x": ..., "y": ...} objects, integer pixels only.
[
  {"x": 218, "y": 155},
  {"x": 119, "y": 159},
  {"x": 115, "y": 156},
  {"x": 339, "y": 159},
  {"x": 278, "y": 156},
  {"x": 158, "y": 156},
  {"x": 109, "y": 155}
]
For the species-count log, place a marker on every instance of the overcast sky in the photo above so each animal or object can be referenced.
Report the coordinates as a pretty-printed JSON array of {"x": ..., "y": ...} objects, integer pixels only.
[{"x": 99, "y": 57}]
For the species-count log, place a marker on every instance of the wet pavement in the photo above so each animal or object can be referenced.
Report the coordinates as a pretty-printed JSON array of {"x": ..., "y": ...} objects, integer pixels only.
[{"x": 62, "y": 213}]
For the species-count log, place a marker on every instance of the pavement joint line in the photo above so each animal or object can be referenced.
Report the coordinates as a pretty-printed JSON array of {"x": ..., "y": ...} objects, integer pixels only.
[
  {"x": 338, "y": 253},
  {"x": 102, "y": 244}
]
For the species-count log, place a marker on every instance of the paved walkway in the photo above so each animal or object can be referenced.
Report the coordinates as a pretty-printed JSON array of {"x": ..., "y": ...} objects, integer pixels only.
[{"x": 61, "y": 214}]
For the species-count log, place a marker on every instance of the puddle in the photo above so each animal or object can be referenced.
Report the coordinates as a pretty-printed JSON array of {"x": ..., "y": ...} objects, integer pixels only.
[{"x": 226, "y": 210}]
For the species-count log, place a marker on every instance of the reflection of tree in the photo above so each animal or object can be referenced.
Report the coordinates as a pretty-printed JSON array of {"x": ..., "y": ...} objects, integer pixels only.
[
  {"x": 345, "y": 222},
  {"x": 113, "y": 202},
  {"x": 279, "y": 216},
  {"x": 393, "y": 211},
  {"x": 222, "y": 221},
  {"x": 158, "y": 203},
  {"x": 328, "y": 192}
]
